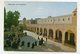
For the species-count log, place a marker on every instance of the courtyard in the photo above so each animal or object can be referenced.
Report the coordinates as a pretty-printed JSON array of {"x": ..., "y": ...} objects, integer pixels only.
[{"x": 49, "y": 45}]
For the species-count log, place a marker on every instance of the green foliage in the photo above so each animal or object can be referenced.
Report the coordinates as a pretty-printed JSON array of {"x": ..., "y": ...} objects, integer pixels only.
[
  {"x": 5, "y": 18},
  {"x": 4, "y": 15},
  {"x": 16, "y": 17},
  {"x": 11, "y": 18},
  {"x": 21, "y": 28}
]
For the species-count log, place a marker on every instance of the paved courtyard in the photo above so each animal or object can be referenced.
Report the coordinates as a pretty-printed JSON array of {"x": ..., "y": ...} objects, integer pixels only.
[
  {"x": 31, "y": 37},
  {"x": 49, "y": 45}
]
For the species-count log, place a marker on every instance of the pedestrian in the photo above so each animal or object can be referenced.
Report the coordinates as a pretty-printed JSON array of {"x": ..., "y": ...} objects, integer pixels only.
[
  {"x": 18, "y": 40},
  {"x": 14, "y": 45},
  {"x": 17, "y": 43},
  {"x": 42, "y": 41},
  {"x": 35, "y": 43},
  {"x": 28, "y": 44},
  {"x": 26, "y": 33},
  {"x": 19, "y": 48},
  {"x": 22, "y": 44},
  {"x": 46, "y": 39},
  {"x": 32, "y": 45},
  {"x": 39, "y": 42},
  {"x": 38, "y": 38}
]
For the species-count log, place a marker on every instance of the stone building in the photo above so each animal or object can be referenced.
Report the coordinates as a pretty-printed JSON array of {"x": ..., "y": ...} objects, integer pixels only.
[{"x": 62, "y": 29}]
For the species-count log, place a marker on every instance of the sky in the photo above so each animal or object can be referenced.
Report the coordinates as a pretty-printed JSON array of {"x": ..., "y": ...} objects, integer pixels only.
[{"x": 40, "y": 9}]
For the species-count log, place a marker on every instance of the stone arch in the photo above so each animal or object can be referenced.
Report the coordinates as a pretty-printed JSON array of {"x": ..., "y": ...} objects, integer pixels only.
[
  {"x": 58, "y": 37},
  {"x": 45, "y": 32},
  {"x": 37, "y": 30},
  {"x": 40, "y": 31},
  {"x": 33, "y": 29},
  {"x": 50, "y": 34},
  {"x": 70, "y": 37}
]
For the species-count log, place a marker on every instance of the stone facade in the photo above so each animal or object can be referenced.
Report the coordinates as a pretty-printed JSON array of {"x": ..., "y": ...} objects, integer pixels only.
[
  {"x": 62, "y": 29},
  {"x": 66, "y": 19}
]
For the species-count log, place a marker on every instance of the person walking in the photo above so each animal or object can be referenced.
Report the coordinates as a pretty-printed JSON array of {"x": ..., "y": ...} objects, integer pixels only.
[
  {"x": 32, "y": 45},
  {"x": 22, "y": 44},
  {"x": 35, "y": 43},
  {"x": 42, "y": 41},
  {"x": 46, "y": 39},
  {"x": 38, "y": 38},
  {"x": 28, "y": 44}
]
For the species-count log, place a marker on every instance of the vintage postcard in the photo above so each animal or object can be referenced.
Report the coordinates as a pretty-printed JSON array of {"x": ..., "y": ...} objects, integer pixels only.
[{"x": 40, "y": 26}]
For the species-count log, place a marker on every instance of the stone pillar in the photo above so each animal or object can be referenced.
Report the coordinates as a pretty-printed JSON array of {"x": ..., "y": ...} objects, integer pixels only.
[
  {"x": 63, "y": 37},
  {"x": 58, "y": 34},
  {"x": 42, "y": 31},
  {"x": 47, "y": 33},
  {"x": 33, "y": 29},
  {"x": 36, "y": 30},
  {"x": 75, "y": 40},
  {"x": 54, "y": 35},
  {"x": 68, "y": 36}
]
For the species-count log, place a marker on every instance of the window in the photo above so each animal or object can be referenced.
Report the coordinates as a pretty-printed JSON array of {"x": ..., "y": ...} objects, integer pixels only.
[
  {"x": 74, "y": 14},
  {"x": 63, "y": 19}
]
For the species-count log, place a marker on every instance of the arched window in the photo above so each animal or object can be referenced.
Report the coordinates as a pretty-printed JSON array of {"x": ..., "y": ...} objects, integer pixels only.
[
  {"x": 63, "y": 19},
  {"x": 74, "y": 14}
]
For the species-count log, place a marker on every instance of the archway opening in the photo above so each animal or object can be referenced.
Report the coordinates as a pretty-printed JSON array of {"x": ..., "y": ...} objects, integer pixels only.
[
  {"x": 69, "y": 38},
  {"x": 45, "y": 32},
  {"x": 50, "y": 34},
  {"x": 40, "y": 31},
  {"x": 58, "y": 36},
  {"x": 37, "y": 30}
]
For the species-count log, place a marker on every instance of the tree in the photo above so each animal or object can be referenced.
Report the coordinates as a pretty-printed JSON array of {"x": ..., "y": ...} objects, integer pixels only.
[
  {"x": 16, "y": 17},
  {"x": 21, "y": 28},
  {"x": 4, "y": 15},
  {"x": 24, "y": 23},
  {"x": 12, "y": 19},
  {"x": 5, "y": 24}
]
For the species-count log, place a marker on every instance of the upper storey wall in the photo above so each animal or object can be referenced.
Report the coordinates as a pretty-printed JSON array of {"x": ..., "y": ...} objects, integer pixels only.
[{"x": 66, "y": 19}]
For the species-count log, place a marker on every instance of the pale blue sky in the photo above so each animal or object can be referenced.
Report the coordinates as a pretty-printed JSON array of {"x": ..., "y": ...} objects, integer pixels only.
[{"x": 41, "y": 9}]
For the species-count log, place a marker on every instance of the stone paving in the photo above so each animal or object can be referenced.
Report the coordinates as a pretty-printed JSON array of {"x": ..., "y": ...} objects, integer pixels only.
[
  {"x": 32, "y": 39},
  {"x": 51, "y": 45}
]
